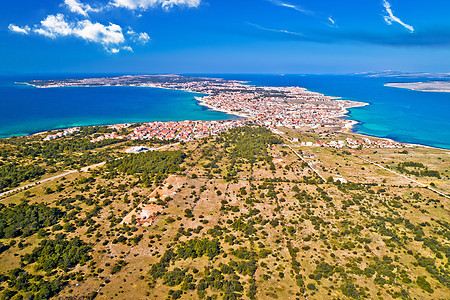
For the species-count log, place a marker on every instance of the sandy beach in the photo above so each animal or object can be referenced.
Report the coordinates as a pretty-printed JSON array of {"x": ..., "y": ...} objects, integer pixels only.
[{"x": 203, "y": 103}]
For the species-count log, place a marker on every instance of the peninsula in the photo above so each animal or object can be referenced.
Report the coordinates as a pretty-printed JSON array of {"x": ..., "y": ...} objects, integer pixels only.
[
  {"x": 293, "y": 107},
  {"x": 429, "y": 86}
]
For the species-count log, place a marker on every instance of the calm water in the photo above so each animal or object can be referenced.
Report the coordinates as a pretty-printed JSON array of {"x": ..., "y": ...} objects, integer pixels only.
[
  {"x": 25, "y": 109},
  {"x": 399, "y": 114}
]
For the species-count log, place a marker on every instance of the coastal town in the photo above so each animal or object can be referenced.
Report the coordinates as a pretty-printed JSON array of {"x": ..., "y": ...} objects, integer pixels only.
[
  {"x": 62, "y": 133},
  {"x": 182, "y": 131},
  {"x": 292, "y": 107},
  {"x": 272, "y": 107},
  {"x": 186, "y": 131},
  {"x": 283, "y": 186}
]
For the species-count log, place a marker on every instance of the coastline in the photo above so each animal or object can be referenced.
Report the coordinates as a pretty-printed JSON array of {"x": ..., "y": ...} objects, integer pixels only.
[
  {"x": 431, "y": 87},
  {"x": 347, "y": 127},
  {"x": 364, "y": 135},
  {"x": 201, "y": 102}
]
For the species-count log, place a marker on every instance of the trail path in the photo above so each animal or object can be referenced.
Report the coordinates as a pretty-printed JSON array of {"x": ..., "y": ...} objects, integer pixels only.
[
  {"x": 84, "y": 169},
  {"x": 4, "y": 194},
  {"x": 406, "y": 177}
]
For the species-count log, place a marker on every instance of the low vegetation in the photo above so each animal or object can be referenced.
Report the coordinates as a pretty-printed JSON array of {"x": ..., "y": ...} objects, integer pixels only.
[{"x": 236, "y": 216}]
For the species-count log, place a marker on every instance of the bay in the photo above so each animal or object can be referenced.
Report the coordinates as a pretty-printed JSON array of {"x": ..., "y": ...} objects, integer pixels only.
[
  {"x": 399, "y": 114},
  {"x": 25, "y": 109}
]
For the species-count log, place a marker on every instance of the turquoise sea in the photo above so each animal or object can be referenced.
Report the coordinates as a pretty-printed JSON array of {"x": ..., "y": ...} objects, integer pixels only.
[
  {"x": 399, "y": 114},
  {"x": 26, "y": 109}
]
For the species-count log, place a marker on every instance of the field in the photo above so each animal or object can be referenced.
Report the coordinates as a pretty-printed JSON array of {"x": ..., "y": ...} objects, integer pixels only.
[{"x": 238, "y": 216}]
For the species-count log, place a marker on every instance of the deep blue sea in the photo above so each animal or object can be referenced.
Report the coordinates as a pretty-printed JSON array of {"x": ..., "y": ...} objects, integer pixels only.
[
  {"x": 399, "y": 114},
  {"x": 26, "y": 109}
]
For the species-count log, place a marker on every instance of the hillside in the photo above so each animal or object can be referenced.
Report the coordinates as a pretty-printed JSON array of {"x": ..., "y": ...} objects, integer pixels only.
[{"x": 248, "y": 214}]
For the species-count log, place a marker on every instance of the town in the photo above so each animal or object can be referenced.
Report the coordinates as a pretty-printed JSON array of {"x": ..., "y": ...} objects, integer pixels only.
[
  {"x": 271, "y": 107},
  {"x": 182, "y": 131},
  {"x": 292, "y": 107}
]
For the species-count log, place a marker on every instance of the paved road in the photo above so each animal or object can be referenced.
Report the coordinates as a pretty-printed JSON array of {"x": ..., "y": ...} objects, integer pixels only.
[
  {"x": 380, "y": 166},
  {"x": 85, "y": 169},
  {"x": 406, "y": 177},
  {"x": 35, "y": 183},
  {"x": 309, "y": 164}
]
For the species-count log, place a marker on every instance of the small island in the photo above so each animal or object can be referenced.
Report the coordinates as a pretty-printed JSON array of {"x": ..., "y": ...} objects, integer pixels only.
[{"x": 430, "y": 86}]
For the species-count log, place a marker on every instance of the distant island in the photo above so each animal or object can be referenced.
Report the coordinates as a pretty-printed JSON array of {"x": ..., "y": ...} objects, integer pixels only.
[{"x": 430, "y": 86}]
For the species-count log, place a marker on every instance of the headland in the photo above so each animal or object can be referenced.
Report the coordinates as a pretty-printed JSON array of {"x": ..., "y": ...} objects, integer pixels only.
[
  {"x": 272, "y": 107},
  {"x": 430, "y": 86}
]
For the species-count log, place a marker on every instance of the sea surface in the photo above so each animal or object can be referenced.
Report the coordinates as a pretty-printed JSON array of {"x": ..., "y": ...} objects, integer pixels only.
[
  {"x": 25, "y": 109},
  {"x": 399, "y": 114}
]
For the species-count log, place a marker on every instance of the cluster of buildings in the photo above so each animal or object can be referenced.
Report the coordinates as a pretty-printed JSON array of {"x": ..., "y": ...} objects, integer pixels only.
[
  {"x": 181, "y": 131},
  {"x": 354, "y": 144},
  {"x": 335, "y": 144},
  {"x": 272, "y": 107},
  {"x": 368, "y": 143},
  {"x": 60, "y": 134},
  {"x": 291, "y": 107}
]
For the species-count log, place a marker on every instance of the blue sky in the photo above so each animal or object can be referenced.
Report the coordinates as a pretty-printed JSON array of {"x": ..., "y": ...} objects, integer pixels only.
[{"x": 224, "y": 36}]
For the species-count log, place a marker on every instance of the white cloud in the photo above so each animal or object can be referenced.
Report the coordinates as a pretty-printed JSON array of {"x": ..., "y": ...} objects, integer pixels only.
[
  {"x": 329, "y": 21},
  {"x": 54, "y": 26},
  {"x": 292, "y": 6},
  {"x": 23, "y": 30},
  {"x": 113, "y": 50},
  {"x": 146, "y": 4},
  {"x": 127, "y": 48},
  {"x": 76, "y": 6},
  {"x": 276, "y": 30},
  {"x": 99, "y": 33},
  {"x": 110, "y": 36},
  {"x": 390, "y": 18},
  {"x": 142, "y": 37}
]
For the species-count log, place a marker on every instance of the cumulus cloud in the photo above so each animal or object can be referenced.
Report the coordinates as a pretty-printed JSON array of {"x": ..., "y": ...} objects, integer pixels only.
[
  {"x": 99, "y": 33},
  {"x": 146, "y": 4},
  {"x": 76, "y": 6},
  {"x": 113, "y": 50},
  {"x": 127, "y": 48},
  {"x": 54, "y": 26},
  {"x": 109, "y": 36},
  {"x": 390, "y": 18},
  {"x": 142, "y": 37},
  {"x": 23, "y": 30}
]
